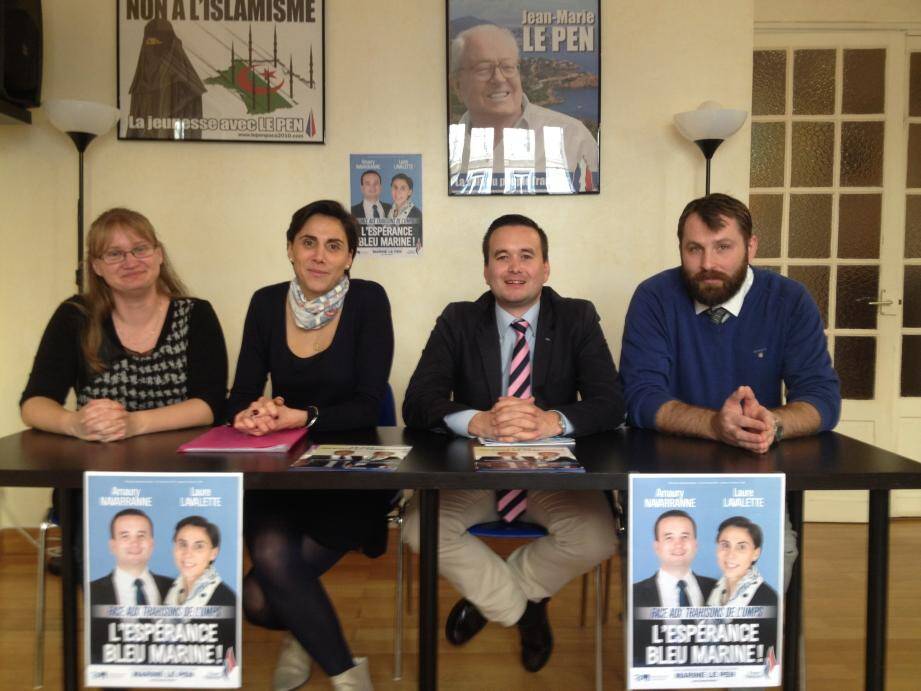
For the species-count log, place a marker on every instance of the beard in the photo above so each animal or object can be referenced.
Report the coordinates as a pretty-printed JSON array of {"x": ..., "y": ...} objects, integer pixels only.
[{"x": 711, "y": 295}]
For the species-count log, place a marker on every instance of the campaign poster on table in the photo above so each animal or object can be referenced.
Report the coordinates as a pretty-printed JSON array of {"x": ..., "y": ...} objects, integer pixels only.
[
  {"x": 213, "y": 70},
  {"x": 706, "y": 567},
  {"x": 523, "y": 88},
  {"x": 162, "y": 582},
  {"x": 386, "y": 193}
]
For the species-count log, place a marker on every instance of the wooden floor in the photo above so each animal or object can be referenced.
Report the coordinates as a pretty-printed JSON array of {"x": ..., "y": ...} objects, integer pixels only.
[{"x": 363, "y": 592}]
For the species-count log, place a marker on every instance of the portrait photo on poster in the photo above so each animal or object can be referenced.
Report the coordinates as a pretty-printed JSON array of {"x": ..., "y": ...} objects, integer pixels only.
[
  {"x": 523, "y": 97},
  {"x": 163, "y": 580},
  {"x": 386, "y": 199},
  {"x": 706, "y": 569},
  {"x": 216, "y": 71}
]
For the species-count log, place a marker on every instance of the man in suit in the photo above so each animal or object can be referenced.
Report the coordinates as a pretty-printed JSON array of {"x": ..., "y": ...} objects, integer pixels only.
[
  {"x": 131, "y": 582},
  {"x": 371, "y": 208},
  {"x": 520, "y": 363},
  {"x": 674, "y": 584}
]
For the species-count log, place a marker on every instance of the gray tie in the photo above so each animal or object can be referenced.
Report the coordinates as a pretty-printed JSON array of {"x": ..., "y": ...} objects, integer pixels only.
[{"x": 718, "y": 315}]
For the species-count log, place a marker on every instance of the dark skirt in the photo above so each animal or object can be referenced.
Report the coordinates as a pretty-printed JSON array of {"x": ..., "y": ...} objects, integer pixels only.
[{"x": 337, "y": 519}]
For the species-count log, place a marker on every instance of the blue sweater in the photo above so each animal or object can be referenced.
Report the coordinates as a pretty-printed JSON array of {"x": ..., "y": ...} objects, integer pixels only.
[{"x": 670, "y": 353}]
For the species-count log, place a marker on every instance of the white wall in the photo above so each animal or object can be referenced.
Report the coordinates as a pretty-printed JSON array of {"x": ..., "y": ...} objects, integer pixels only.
[{"x": 221, "y": 209}]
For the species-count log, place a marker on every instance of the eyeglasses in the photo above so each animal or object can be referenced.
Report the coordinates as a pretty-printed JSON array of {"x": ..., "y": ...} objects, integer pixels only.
[
  {"x": 118, "y": 256},
  {"x": 483, "y": 71}
]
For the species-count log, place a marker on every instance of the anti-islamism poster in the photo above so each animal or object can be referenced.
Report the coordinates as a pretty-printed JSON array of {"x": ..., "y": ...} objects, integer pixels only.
[
  {"x": 706, "y": 567},
  {"x": 162, "y": 583},
  {"x": 523, "y": 96},
  {"x": 386, "y": 194},
  {"x": 221, "y": 70}
]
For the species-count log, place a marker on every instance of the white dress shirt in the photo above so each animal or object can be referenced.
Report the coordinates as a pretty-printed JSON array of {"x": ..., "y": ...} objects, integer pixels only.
[
  {"x": 668, "y": 589},
  {"x": 125, "y": 592}
]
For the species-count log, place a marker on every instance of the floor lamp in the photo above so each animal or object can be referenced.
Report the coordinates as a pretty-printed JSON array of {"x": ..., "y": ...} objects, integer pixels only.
[
  {"x": 708, "y": 126},
  {"x": 82, "y": 121}
]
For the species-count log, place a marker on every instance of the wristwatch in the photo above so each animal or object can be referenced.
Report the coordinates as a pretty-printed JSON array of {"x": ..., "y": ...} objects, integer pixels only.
[
  {"x": 778, "y": 429},
  {"x": 313, "y": 414}
]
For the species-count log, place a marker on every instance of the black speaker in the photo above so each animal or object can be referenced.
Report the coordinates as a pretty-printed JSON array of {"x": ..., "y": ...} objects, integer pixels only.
[{"x": 21, "y": 52}]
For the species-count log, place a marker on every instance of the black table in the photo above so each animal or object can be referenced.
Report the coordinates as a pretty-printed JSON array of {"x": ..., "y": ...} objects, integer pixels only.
[{"x": 828, "y": 461}]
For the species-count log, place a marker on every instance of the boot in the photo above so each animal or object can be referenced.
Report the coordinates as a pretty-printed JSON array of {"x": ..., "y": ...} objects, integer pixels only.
[
  {"x": 358, "y": 678},
  {"x": 292, "y": 669}
]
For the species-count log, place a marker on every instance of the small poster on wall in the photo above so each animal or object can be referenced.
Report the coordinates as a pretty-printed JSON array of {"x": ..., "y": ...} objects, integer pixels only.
[
  {"x": 220, "y": 71},
  {"x": 162, "y": 584},
  {"x": 706, "y": 562},
  {"x": 386, "y": 192},
  {"x": 523, "y": 96}
]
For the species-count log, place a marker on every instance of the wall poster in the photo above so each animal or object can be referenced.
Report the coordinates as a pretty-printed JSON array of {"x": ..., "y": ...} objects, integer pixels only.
[
  {"x": 386, "y": 192},
  {"x": 706, "y": 563},
  {"x": 524, "y": 100},
  {"x": 162, "y": 581},
  {"x": 206, "y": 70}
]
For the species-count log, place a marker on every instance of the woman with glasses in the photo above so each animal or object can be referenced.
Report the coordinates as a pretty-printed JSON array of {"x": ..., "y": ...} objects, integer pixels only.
[
  {"x": 326, "y": 340},
  {"x": 140, "y": 356}
]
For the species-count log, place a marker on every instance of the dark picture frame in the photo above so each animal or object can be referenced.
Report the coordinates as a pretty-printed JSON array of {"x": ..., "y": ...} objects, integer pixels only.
[
  {"x": 187, "y": 72},
  {"x": 531, "y": 124}
]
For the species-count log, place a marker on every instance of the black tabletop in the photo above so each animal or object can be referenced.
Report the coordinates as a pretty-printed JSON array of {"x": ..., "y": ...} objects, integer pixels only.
[{"x": 825, "y": 461}]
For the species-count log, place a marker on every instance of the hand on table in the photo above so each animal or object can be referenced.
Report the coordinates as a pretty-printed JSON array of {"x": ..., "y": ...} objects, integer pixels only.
[
  {"x": 266, "y": 415},
  {"x": 515, "y": 419},
  {"x": 744, "y": 422}
]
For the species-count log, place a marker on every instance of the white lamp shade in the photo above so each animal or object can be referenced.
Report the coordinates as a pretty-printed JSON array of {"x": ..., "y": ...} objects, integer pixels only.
[
  {"x": 710, "y": 121},
  {"x": 80, "y": 116}
]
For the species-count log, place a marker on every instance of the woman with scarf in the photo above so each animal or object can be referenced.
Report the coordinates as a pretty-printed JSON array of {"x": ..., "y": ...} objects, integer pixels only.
[
  {"x": 327, "y": 342},
  {"x": 738, "y": 548},
  {"x": 401, "y": 191},
  {"x": 196, "y": 544}
]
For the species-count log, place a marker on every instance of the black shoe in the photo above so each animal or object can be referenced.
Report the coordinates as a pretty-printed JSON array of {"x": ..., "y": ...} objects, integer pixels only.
[
  {"x": 464, "y": 622},
  {"x": 536, "y": 637}
]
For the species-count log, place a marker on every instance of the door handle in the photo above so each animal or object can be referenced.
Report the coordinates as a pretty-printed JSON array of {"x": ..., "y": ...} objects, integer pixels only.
[{"x": 883, "y": 302}]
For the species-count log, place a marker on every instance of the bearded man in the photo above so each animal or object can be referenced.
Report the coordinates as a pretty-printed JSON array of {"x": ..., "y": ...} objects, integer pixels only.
[{"x": 710, "y": 346}]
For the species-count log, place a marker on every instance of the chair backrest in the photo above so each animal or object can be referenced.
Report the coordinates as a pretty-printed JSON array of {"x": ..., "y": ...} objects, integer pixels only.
[
  {"x": 387, "y": 414},
  {"x": 515, "y": 529}
]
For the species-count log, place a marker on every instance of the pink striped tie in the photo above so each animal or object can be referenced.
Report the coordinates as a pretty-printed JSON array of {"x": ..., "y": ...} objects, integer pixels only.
[{"x": 511, "y": 503}]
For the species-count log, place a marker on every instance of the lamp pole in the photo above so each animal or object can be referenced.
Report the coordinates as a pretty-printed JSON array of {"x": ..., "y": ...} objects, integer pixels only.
[
  {"x": 82, "y": 121},
  {"x": 81, "y": 140},
  {"x": 708, "y": 147}
]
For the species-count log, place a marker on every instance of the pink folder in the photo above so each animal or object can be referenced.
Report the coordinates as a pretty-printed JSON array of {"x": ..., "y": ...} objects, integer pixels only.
[{"x": 226, "y": 439}]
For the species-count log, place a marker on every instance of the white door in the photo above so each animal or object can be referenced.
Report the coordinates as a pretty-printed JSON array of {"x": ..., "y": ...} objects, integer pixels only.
[{"x": 836, "y": 199}]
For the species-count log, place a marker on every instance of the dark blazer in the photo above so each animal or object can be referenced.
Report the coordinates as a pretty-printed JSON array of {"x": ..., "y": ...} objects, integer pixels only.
[
  {"x": 358, "y": 211},
  {"x": 102, "y": 592},
  {"x": 646, "y": 594},
  {"x": 460, "y": 365}
]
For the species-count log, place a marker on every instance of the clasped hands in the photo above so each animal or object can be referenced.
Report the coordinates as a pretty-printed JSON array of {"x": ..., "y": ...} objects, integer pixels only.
[
  {"x": 102, "y": 419},
  {"x": 266, "y": 415},
  {"x": 515, "y": 419},
  {"x": 744, "y": 422}
]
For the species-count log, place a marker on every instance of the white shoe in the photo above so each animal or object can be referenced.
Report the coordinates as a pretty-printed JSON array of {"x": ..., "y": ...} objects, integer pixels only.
[
  {"x": 358, "y": 678},
  {"x": 292, "y": 669}
]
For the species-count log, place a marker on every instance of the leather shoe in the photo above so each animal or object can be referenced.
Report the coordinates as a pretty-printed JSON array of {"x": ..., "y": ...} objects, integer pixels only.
[
  {"x": 464, "y": 622},
  {"x": 536, "y": 636}
]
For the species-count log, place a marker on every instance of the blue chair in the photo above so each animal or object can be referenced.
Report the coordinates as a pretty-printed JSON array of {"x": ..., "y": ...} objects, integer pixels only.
[{"x": 496, "y": 529}]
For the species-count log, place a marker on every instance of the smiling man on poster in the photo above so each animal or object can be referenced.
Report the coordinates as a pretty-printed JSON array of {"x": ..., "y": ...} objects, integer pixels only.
[{"x": 503, "y": 138}]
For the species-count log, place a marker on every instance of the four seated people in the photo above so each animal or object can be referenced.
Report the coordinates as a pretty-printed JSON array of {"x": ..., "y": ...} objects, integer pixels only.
[{"x": 714, "y": 348}]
